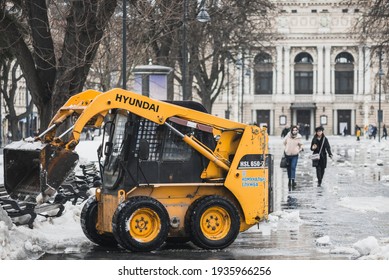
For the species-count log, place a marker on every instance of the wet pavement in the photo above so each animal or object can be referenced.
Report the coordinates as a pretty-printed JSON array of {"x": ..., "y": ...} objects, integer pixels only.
[{"x": 308, "y": 222}]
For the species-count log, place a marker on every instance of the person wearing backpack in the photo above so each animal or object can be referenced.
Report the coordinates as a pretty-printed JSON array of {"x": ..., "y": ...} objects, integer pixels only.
[{"x": 320, "y": 145}]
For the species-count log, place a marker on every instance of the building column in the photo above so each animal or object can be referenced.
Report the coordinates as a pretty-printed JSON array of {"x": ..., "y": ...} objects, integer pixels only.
[
  {"x": 355, "y": 91},
  {"x": 327, "y": 70},
  {"x": 279, "y": 70},
  {"x": 292, "y": 78},
  {"x": 314, "y": 68},
  {"x": 333, "y": 78},
  {"x": 366, "y": 70},
  {"x": 286, "y": 70},
  {"x": 352, "y": 128},
  {"x": 361, "y": 63},
  {"x": 320, "y": 68}
]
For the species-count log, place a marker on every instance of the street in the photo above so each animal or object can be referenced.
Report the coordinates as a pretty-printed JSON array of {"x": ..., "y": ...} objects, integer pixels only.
[{"x": 309, "y": 222}]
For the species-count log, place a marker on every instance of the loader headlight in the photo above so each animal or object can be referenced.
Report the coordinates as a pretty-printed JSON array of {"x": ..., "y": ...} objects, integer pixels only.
[{"x": 217, "y": 138}]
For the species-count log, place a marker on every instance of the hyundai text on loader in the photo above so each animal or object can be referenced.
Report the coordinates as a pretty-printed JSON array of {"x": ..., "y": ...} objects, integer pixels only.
[{"x": 169, "y": 170}]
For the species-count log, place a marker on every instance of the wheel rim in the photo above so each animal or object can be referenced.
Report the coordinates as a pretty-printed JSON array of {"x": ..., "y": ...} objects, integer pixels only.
[
  {"x": 215, "y": 223},
  {"x": 144, "y": 225}
]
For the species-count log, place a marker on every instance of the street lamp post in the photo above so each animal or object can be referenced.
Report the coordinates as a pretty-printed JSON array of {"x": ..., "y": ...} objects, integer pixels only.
[
  {"x": 228, "y": 90},
  {"x": 241, "y": 99},
  {"x": 27, "y": 132},
  {"x": 1, "y": 123},
  {"x": 185, "y": 93},
  {"x": 203, "y": 16},
  {"x": 124, "y": 48},
  {"x": 380, "y": 74}
]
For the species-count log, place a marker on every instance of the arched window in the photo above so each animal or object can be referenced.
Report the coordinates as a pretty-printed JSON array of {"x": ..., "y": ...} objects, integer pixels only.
[
  {"x": 263, "y": 73},
  {"x": 344, "y": 73},
  {"x": 303, "y": 74}
]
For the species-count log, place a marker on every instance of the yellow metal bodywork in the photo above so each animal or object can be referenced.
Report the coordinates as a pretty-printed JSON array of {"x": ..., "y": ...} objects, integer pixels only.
[
  {"x": 243, "y": 181},
  {"x": 176, "y": 198}
]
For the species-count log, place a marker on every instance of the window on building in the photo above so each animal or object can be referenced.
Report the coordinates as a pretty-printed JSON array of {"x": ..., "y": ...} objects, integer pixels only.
[
  {"x": 263, "y": 74},
  {"x": 344, "y": 73},
  {"x": 313, "y": 11},
  {"x": 294, "y": 11},
  {"x": 303, "y": 74}
]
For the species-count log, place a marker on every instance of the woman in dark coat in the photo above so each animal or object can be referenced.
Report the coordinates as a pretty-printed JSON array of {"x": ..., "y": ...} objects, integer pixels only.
[{"x": 316, "y": 144}]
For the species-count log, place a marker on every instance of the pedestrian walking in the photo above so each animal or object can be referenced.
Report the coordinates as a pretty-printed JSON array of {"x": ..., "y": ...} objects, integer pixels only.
[
  {"x": 373, "y": 131},
  {"x": 293, "y": 146},
  {"x": 366, "y": 132},
  {"x": 306, "y": 131},
  {"x": 320, "y": 144},
  {"x": 358, "y": 132},
  {"x": 384, "y": 132},
  {"x": 88, "y": 135},
  {"x": 284, "y": 132}
]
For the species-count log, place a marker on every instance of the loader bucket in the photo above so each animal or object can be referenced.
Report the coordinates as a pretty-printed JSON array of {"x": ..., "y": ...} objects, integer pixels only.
[{"x": 33, "y": 168}]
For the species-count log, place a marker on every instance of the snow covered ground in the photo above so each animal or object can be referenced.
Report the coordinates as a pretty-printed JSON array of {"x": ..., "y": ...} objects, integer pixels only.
[
  {"x": 55, "y": 235},
  {"x": 64, "y": 234}
]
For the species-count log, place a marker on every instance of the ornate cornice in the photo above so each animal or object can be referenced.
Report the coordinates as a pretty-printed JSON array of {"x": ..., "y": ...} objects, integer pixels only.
[
  {"x": 346, "y": 37},
  {"x": 307, "y": 3}
]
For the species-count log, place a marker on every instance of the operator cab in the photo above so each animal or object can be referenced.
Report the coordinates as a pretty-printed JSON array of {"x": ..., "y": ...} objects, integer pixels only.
[{"x": 139, "y": 151}]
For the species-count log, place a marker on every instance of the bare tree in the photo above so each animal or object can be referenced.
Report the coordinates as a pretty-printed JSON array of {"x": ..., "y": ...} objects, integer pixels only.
[
  {"x": 54, "y": 71},
  {"x": 10, "y": 77},
  {"x": 373, "y": 24},
  {"x": 235, "y": 25},
  {"x": 56, "y": 42},
  {"x": 373, "y": 27}
]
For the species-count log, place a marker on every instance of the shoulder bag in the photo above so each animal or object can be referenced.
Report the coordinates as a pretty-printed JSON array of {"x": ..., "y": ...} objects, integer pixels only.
[
  {"x": 316, "y": 157},
  {"x": 284, "y": 161}
]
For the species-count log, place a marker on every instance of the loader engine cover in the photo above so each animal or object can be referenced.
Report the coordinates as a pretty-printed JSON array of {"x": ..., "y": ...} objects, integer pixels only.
[{"x": 31, "y": 168}]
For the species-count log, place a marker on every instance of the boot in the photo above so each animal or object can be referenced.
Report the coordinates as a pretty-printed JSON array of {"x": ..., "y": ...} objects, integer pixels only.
[
  {"x": 293, "y": 183},
  {"x": 319, "y": 183},
  {"x": 290, "y": 183}
]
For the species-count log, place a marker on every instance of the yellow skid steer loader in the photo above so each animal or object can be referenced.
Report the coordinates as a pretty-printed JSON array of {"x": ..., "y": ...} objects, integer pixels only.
[{"x": 170, "y": 171}]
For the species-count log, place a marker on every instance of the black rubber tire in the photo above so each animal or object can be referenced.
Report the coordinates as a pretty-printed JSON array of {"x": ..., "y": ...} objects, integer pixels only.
[
  {"x": 88, "y": 225},
  {"x": 222, "y": 207},
  {"x": 140, "y": 211}
]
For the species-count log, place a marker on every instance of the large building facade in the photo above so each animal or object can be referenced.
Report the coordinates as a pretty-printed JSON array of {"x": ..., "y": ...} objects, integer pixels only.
[{"x": 318, "y": 72}]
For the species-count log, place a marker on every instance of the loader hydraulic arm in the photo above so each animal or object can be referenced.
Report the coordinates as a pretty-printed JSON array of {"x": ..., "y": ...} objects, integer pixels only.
[
  {"x": 154, "y": 110},
  {"x": 190, "y": 140}
]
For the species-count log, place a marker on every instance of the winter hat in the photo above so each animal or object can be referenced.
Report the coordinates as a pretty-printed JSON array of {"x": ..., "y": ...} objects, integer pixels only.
[{"x": 319, "y": 128}]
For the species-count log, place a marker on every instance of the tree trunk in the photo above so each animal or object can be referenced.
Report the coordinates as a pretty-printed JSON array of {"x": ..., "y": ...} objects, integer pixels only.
[
  {"x": 207, "y": 102},
  {"x": 45, "y": 114}
]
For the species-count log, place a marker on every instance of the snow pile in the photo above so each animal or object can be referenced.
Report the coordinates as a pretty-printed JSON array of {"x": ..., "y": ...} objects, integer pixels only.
[
  {"x": 366, "y": 246},
  {"x": 53, "y": 235},
  {"x": 292, "y": 217},
  {"x": 323, "y": 241},
  {"x": 371, "y": 249}
]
